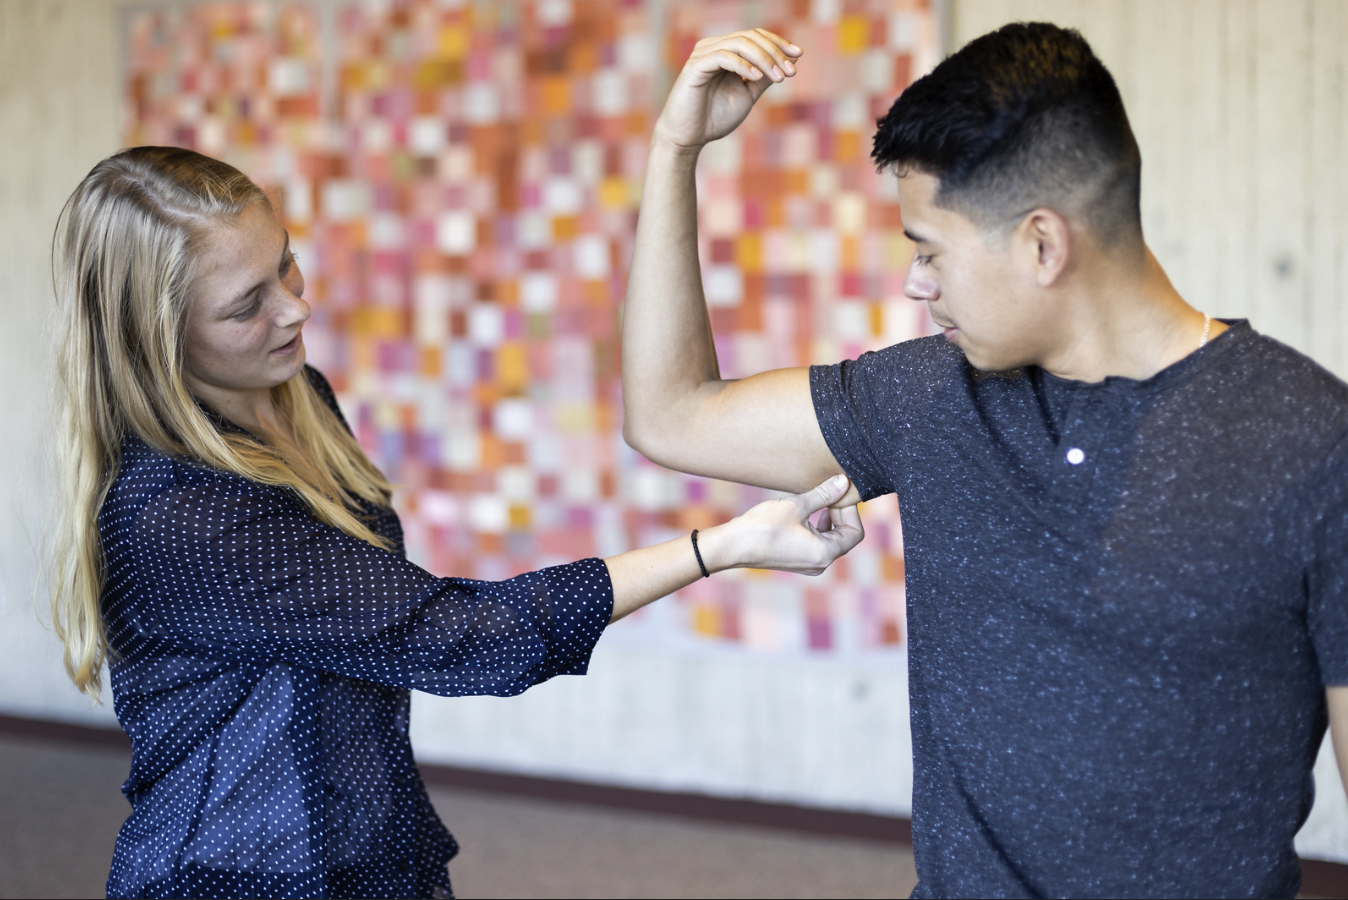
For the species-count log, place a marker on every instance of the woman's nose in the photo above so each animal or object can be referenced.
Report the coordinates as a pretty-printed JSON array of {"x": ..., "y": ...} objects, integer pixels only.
[{"x": 295, "y": 311}]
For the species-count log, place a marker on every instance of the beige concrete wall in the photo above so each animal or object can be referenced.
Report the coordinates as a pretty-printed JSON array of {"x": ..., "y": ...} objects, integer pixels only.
[{"x": 58, "y": 116}]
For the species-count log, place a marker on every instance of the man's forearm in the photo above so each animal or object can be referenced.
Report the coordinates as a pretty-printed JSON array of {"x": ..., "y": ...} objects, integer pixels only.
[{"x": 668, "y": 354}]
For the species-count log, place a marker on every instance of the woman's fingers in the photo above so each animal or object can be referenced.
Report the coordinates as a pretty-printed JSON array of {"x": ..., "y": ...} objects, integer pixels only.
[
  {"x": 821, "y": 497},
  {"x": 845, "y": 530}
]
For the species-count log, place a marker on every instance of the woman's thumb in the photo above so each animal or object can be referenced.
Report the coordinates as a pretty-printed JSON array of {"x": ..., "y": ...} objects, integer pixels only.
[{"x": 826, "y": 494}]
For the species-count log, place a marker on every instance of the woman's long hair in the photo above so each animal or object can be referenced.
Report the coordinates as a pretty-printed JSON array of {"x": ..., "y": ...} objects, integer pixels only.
[{"x": 123, "y": 270}]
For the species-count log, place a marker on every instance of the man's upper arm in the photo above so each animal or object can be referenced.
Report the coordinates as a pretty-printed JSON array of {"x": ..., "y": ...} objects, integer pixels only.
[{"x": 760, "y": 430}]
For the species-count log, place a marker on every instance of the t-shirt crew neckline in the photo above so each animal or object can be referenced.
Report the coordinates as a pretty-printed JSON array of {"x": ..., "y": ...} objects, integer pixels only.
[{"x": 1177, "y": 372}]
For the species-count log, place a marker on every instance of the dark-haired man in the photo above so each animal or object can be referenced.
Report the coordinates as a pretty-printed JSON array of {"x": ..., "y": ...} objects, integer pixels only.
[{"x": 1125, "y": 523}]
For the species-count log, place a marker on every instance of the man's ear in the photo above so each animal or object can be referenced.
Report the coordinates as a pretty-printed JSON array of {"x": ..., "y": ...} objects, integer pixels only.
[{"x": 1043, "y": 243}]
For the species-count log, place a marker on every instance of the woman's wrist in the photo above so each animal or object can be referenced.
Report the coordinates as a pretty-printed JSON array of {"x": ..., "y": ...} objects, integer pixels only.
[{"x": 718, "y": 547}]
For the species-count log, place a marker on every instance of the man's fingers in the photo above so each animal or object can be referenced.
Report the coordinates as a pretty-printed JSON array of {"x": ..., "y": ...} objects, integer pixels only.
[
  {"x": 725, "y": 60},
  {"x": 774, "y": 52},
  {"x": 787, "y": 48},
  {"x": 758, "y": 49}
]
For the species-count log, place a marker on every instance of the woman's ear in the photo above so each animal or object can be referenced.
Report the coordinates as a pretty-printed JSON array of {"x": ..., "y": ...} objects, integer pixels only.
[{"x": 1042, "y": 245}]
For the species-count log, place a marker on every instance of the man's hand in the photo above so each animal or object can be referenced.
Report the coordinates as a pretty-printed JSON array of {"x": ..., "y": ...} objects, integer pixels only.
[{"x": 719, "y": 85}]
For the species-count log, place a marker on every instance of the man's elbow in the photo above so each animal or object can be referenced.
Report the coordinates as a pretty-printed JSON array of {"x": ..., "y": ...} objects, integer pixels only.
[
  {"x": 639, "y": 434},
  {"x": 646, "y": 435}
]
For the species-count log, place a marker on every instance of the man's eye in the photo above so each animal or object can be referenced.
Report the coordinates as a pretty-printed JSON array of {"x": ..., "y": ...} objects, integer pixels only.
[
  {"x": 922, "y": 260},
  {"x": 288, "y": 263}
]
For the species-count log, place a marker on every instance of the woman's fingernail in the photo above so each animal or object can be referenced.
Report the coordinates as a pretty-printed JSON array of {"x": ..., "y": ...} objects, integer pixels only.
[{"x": 838, "y": 480}]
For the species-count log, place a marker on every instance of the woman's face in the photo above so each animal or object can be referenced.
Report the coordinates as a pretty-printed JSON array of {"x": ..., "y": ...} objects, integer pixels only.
[{"x": 243, "y": 328}]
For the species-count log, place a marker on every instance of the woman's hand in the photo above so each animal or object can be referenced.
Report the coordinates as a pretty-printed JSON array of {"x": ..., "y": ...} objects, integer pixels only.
[
  {"x": 719, "y": 85},
  {"x": 778, "y": 534},
  {"x": 775, "y": 534}
]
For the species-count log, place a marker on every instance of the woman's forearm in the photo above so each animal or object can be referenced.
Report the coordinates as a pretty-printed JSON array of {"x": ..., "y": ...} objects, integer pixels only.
[
  {"x": 641, "y": 576},
  {"x": 775, "y": 534}
]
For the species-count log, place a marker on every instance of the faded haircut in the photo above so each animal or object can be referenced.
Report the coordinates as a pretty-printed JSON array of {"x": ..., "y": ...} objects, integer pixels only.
[{"x": 1021, "y": 118}]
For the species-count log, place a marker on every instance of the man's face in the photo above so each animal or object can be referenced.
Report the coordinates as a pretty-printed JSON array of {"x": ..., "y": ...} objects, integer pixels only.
[{"x": 968, "y": 278}]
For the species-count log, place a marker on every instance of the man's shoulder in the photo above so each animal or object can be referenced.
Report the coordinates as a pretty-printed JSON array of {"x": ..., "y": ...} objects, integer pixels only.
[
  {"x": 1269, "y": 371},
  {"x": 925, "y": 360}
]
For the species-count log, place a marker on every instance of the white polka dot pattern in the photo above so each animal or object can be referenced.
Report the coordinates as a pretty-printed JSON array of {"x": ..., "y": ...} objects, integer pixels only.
[{"x": 262, "y": 662}]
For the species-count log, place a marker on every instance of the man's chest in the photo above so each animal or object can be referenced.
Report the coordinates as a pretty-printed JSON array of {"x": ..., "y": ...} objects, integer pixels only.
[{"x": 1108, "y": 515}]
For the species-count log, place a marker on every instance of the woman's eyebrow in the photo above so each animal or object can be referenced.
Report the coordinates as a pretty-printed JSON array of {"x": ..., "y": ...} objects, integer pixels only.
[{"x": 243, "y": 297}]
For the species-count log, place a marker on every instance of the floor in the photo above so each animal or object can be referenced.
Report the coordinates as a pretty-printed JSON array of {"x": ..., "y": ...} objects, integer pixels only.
[{"x": 60, "y": 809}]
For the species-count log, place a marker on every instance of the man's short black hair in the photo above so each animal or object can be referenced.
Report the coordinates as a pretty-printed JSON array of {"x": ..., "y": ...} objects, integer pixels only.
[{"x": 1023, "y": 117}]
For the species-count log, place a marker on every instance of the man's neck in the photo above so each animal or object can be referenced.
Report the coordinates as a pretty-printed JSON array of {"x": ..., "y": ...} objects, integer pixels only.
[{"x": 1126, "y": 321}]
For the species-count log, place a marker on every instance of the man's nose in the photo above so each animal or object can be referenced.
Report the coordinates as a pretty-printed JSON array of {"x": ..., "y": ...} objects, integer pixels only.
[{"x": 919, "y": 287}]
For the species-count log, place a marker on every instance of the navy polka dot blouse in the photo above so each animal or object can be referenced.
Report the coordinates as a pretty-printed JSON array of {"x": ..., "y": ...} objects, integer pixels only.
[{"x": 261, "y": 665}]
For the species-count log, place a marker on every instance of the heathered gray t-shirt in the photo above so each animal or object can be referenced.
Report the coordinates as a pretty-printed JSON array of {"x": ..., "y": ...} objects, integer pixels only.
[{"x": 1125, "y": 601}]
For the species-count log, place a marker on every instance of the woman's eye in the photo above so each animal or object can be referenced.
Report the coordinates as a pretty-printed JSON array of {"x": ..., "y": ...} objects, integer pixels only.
[{"x": 247, "y": 312}]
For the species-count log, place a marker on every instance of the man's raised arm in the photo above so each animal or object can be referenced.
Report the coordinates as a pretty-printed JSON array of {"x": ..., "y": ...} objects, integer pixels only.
[{"x": 678, "y": 411}]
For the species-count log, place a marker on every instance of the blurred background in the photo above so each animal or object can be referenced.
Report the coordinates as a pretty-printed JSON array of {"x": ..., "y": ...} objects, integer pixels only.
[{"x": 461, "y": 180}]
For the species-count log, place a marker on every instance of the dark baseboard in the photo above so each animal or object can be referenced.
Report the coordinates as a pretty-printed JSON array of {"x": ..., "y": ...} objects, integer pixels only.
[
  {"x": 1318, "y": 877},
  {"x": 1324, "y": 879},
  {"x": 814, "y": 820},
  {"x": 13, "y": 726}
]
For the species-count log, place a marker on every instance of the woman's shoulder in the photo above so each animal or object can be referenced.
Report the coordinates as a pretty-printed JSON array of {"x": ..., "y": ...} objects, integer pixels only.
[{"x": 146, "y": 473}]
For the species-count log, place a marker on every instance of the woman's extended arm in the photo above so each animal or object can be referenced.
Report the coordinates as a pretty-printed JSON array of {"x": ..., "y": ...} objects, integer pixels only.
[
  {"x": 214, "y": 567},
  {"x": 776, "y": 534}
]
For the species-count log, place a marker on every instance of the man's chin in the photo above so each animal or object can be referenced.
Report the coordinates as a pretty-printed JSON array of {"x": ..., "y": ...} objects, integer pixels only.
[{"x": 984, "y": 367}]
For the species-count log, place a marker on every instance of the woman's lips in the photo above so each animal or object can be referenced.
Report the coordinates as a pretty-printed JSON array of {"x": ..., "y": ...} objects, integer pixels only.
[{"x": 289, "y": 346}]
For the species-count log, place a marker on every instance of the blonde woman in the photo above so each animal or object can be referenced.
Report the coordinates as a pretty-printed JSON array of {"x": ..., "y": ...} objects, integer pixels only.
[{"x": 231, "y": 552}]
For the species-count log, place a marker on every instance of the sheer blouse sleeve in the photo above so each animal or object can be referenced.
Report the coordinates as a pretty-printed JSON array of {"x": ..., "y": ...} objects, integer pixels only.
[{"x": 216, "y": 565}]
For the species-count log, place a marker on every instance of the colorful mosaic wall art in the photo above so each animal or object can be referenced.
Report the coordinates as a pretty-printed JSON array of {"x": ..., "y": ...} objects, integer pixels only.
[{"x": 461, "y": 183}]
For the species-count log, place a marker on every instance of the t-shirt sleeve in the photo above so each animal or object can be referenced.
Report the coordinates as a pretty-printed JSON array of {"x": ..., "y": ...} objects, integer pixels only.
[
  {"x": 240, "y": 572},
  {"x": 854, "y": 423},
  {"x": 1327, "y": 575}
]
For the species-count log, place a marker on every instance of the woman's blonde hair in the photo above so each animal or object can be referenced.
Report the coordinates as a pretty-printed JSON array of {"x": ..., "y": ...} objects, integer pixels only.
[{"x": 123, "y": 270}]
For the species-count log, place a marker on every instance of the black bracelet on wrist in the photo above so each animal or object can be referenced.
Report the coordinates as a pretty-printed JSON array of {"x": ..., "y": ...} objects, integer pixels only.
[{"x": 698, "y": 553}]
